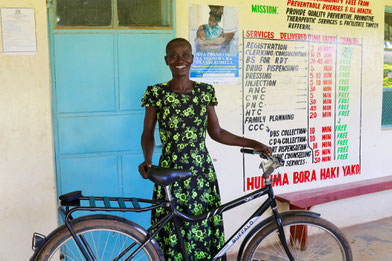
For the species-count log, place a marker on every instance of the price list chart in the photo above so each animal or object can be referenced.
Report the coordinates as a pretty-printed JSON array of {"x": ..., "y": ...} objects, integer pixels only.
[{"x": 302, "y": 96}]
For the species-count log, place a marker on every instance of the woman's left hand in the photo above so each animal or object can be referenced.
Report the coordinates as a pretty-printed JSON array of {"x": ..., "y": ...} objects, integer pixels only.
[{"x": 263, "y": 149}]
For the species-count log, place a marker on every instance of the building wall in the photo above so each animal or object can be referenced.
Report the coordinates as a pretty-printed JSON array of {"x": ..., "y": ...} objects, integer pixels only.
[
  {"x": 375, "y": 142},
  {"x": 28, "y": 193},
  {"x": 28, "y": 198}
]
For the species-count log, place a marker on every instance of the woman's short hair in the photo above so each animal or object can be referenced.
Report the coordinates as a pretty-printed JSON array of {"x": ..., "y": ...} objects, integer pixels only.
[{"x": 175, "y": 41}]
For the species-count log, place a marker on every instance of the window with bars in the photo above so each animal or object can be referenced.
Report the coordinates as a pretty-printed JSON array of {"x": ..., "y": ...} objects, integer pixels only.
[{"x": 386, "y": 119}]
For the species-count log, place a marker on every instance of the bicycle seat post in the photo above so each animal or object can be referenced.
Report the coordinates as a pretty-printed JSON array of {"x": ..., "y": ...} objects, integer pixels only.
[{"x": 168, "y": 193}]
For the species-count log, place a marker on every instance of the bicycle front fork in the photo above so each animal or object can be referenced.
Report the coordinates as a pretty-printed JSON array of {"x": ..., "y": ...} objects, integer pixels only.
[
  {"x": 279, "y": 224},
  {"x": 282, "y": 235}
]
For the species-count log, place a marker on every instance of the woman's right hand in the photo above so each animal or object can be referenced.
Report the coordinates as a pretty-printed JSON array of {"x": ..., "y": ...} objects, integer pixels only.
[
  {"x": 143, "y": 167},
  {"x": 265, "y": 151}
]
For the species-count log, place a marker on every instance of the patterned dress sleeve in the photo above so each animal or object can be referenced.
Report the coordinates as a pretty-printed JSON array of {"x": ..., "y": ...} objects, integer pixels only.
[
  {"x": 211, "y": 93},
  {"x": 150, "y": 97}
]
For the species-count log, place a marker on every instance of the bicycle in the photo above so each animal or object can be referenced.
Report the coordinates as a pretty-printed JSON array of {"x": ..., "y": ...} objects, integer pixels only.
[{"x": 291, "y": 235}]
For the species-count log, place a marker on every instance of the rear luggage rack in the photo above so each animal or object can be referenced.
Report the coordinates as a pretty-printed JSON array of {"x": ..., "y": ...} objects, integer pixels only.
[{"x": 74, "y": 201}]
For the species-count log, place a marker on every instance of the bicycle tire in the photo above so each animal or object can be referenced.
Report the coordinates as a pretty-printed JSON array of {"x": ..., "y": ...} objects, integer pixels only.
[
  {"x": 116, "y": 234},
  {"x": 324, "y": 241}
]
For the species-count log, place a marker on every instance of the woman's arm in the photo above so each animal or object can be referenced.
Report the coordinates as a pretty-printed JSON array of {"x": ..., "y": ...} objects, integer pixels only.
[
  {"x": 148, "y": 141},
  {"x": 220, "y": 135}
]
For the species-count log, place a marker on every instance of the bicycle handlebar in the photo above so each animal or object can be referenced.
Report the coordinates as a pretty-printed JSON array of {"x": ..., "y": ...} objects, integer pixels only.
[
  {"x": 249, "y": 151},
  {"x": 272, "y": 163}
]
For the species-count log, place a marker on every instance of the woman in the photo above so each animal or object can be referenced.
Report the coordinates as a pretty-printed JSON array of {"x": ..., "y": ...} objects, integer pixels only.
[
  {"x": 185, "y": 110},
  {"x": 209, "y": 37}
]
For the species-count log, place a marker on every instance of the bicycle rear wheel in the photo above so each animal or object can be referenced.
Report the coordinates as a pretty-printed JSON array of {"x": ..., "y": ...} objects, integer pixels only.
[
  {"x": 107, "y": 237},
  {"x": 309, "y": 238}
]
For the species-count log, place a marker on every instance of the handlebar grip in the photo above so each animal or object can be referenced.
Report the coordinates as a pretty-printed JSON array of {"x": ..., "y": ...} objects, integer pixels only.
[{"x": 249, "y": 151}]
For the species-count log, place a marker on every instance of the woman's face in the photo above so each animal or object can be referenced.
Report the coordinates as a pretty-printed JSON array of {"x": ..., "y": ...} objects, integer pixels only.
[
  {"x": 179, "y": 58},
  {"x": 212, "y": 21}
]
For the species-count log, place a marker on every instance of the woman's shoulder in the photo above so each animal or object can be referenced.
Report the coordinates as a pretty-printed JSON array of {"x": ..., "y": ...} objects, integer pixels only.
[
  {"x": 158, "y": 86},
  {"x": 153, "y": 94},
  {"x": 204, "y": 86},
  {"x": 206, "y": 91}
]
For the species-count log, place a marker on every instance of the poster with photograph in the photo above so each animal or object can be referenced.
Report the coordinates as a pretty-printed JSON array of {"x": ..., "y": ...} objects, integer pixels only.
[{"x": 214, "y": 39}]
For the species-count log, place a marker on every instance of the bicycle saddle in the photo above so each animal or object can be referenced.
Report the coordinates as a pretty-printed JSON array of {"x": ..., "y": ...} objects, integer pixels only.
[
  {"x": 71, "y": 198},
  {"x": 165, "y": 177}
]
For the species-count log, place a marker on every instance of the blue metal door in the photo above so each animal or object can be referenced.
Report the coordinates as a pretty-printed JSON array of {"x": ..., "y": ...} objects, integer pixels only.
[{"x": 100, "y": 71}]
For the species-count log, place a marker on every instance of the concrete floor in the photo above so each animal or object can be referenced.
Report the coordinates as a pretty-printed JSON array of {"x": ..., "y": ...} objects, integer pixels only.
[{"x": 369, "y": 241}]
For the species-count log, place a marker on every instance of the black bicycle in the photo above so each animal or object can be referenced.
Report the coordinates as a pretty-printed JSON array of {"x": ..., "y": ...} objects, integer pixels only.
[{"x": 291, "y": 235}]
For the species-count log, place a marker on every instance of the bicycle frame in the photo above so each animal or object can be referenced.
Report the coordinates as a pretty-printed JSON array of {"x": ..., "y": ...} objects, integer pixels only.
[{"x": 174, "y": 215}]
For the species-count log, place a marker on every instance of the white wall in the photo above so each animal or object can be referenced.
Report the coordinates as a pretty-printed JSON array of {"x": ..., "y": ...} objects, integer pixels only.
[
  {"x": 27, "y": 197},
  {"x": 375, "y": 143}
]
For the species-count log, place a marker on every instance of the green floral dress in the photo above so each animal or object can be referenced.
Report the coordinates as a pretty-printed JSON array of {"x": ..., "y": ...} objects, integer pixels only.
[{"x": 182, "y": 120}]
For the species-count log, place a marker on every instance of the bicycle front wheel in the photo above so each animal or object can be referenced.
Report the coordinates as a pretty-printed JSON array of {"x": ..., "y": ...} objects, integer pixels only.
[
  {"x": 308, "y": 238},
  {"x": 108, "y": 237}
]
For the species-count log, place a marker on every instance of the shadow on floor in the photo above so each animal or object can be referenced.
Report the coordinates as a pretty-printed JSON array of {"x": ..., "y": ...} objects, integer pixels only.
[{"x": 369, "y": 241}]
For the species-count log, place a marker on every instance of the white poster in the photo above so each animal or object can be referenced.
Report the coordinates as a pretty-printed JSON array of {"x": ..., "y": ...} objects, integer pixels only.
[
  {"x": 18, "y": 31},
  {"x": 303, "y": 96}
]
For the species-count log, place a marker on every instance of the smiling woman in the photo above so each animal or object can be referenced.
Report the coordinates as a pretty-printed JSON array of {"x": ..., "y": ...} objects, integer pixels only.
[
  {"x": 180, "y": 106},
  {"x": 185, "y": 111},
  {"x": 179, "y": 58}
]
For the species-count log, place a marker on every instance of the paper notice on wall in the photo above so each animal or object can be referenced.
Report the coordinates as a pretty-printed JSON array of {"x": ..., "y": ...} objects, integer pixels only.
[{"x": 18, "y": 31}]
